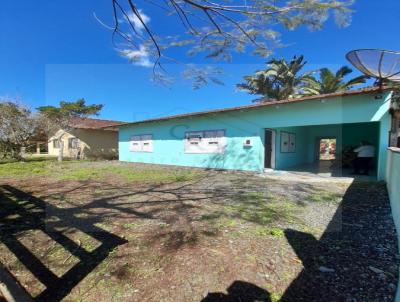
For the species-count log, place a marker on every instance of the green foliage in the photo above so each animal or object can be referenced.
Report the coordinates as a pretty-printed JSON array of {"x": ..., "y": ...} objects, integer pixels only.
[
  {"x": 282, "y": 80},
  {"x": 279, "y": 81},
  {"x": 62, "y": 115},
  {"x": 17, "y": 126},
  {"x": 330, "y": 82}
]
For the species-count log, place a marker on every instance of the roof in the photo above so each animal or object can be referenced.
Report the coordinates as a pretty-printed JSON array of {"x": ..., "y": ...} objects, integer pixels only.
[
  {"x": 328, "y": 96},
  {"x": 98, "y": 124}
]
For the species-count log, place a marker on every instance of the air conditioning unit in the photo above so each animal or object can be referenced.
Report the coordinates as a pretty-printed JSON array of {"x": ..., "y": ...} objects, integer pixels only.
[{"x": 248, "y": 142}]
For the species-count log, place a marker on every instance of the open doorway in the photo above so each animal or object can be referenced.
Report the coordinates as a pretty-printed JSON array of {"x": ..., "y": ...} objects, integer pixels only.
[
  {"x": 326, "y": 149},
  {"x": 269, "y": 149}
]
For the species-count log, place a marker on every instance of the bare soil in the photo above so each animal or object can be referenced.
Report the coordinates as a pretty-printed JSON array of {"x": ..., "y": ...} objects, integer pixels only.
[{"x": 220, "y": 236}]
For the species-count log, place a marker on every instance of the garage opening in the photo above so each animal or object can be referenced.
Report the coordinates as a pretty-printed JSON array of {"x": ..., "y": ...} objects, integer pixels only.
[{"x": 326, "y": 150}]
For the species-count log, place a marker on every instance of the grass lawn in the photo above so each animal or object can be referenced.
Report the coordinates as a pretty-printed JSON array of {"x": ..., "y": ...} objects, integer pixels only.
[{"x": 112, "y": 231}]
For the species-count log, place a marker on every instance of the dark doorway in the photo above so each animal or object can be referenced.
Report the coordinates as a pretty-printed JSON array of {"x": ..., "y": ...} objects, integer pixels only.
[{"x": 268, "y": 145}]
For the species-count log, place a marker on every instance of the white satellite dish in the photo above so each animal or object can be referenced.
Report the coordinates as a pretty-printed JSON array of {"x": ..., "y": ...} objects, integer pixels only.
[{"x": 383, "y": 65}]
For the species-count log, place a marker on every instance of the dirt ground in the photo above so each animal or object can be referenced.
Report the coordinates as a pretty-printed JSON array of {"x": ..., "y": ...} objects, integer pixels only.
[{"x": 214, "y": 236}]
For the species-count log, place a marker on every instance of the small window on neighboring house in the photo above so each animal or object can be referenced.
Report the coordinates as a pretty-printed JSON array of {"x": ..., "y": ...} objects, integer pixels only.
[
  {"x": 210, "y": 141},
  {"x": 56, "y": 144},
  {"x": 141, "y": 143},
  {"x": 73, "y": 143}
]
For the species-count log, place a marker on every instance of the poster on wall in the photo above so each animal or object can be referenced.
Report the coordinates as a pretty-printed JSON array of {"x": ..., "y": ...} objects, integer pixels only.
[{"x": 284, "y": 142}]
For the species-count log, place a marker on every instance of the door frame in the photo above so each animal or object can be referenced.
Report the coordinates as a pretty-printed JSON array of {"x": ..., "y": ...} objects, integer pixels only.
[{"x": 273, "y": 147}]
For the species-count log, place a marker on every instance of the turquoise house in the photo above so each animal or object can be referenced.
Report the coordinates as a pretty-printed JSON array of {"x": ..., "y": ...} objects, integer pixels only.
[{"x": 275, "y": 135}]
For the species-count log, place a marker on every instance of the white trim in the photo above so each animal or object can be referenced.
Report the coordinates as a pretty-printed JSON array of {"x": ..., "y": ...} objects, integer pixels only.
[
  {"x": 141, "y": 143},
  {"x": 205, "y": 141}
]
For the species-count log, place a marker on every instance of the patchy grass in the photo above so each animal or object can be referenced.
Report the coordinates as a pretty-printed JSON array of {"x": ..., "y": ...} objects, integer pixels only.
[
  {"x": 24, "y": 169},
  {"x": 324, "y": 196},
  {"x": 151, "y": 175},
  {"x": 87, "y": 170},
  {"x": 263, "y": 210}
]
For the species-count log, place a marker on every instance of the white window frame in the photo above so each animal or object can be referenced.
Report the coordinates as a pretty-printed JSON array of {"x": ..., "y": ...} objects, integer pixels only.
[
  {"x": 141, "y": 143},
  {"x": 205, "y": 141}
]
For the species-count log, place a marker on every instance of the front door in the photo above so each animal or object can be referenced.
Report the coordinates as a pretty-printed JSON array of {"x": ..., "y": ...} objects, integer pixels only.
[{"x": 268, "y": 149}]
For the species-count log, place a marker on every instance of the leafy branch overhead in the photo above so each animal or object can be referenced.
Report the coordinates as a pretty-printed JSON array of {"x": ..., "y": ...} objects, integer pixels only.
[{"x": 213, "y": 29}]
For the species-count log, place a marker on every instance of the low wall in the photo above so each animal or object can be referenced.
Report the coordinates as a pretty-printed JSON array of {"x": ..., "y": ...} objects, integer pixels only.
[{"x": 393, "y": 186}]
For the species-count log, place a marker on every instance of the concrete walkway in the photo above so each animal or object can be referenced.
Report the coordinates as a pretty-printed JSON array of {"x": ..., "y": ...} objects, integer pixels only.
[{"x": 318, "y": 172}]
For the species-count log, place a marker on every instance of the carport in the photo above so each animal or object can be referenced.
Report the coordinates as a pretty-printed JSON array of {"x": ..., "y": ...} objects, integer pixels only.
[{"x": 324, "y": 149}]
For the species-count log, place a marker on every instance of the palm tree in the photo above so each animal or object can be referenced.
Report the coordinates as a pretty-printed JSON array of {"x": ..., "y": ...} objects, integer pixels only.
[
  {"x": 279, "y": 81},
  {"x": 329, "y": 82}
]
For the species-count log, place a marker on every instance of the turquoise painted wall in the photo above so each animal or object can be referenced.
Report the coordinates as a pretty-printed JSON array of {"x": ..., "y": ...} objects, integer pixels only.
[
  {"x": 287, "y": 160},
  {"x": 250, "y": 123}
]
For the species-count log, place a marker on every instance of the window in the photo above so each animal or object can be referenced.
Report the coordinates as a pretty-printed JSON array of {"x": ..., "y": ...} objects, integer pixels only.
[
  {"x": 73, "y": 143},
  {"x": 141, "y": 143},
  {"x": 56, "y": 144},
  {"x": 210, "y": 141}
]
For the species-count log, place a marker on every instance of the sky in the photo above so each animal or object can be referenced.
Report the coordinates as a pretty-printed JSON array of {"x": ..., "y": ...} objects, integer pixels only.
[{"x": 53, "y": 50}]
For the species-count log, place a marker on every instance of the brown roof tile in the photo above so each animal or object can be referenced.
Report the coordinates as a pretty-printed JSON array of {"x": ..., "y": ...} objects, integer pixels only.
[{"x": 90, "y": 123}]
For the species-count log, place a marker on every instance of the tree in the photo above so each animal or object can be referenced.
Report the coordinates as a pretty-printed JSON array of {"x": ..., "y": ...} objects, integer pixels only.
[
  {"x": 216, "y": 30},
  {"x": 330, "y": 82},
  {"x": 17, "y": 126},
  {"x": 54, "y": 118},
  {"x": 279, "y": 81}
]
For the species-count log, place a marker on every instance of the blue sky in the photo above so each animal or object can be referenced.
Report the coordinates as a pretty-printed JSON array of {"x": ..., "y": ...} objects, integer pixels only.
[{"x": 53, "y": 50}]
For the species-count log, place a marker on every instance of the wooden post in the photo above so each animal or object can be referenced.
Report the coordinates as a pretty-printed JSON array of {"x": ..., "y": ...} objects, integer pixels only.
[{"x": 37, "y": 148}]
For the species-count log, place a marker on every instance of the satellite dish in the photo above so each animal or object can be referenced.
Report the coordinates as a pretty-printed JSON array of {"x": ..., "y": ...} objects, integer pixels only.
[{"x": 383, "y": 65}]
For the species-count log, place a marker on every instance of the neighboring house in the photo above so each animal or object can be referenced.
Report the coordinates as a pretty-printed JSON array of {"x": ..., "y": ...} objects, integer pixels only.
[
  {"x": 276, "y": 135},
  {"x": 89, "y": 138}
]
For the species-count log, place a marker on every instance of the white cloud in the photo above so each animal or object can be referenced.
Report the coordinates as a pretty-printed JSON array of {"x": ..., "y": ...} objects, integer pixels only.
[
  {"x": 136, "y": 22},
  {"x": 138, "y": 57}
]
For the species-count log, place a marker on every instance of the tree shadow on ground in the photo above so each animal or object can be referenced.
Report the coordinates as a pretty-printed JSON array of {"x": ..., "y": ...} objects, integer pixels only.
[
  {"x": 22, "y": 212},
  {"x": 240, "y": 291},
  {"x": 355, "y": 259},
  {"x": 360, "y": 235}
]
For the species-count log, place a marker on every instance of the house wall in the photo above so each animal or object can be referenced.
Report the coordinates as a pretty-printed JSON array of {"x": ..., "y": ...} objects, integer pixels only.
[
  {"x": 393, "y": 186},
  {"x": 287, "y": 160},
  {"x": 93, "y": 143},
  {"x": 250, "y": 123}
]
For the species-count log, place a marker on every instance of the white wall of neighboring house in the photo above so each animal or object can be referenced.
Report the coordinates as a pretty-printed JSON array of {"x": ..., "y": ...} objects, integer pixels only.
[{"x": 393, "y": 186}]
